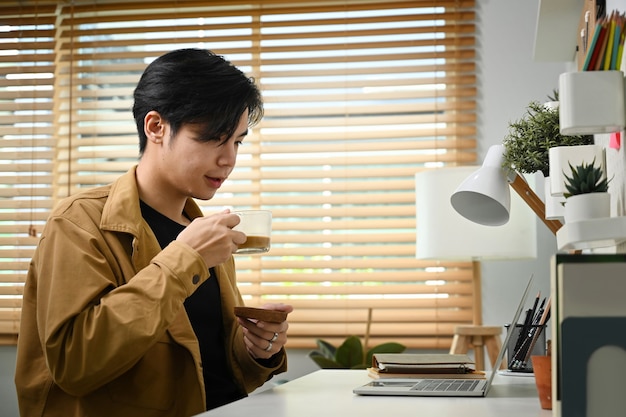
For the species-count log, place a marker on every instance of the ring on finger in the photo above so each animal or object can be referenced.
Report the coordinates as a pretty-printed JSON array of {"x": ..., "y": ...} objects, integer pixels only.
[
  {"x": 273, "y": 339},
  {"x": 269, "y": 347}
]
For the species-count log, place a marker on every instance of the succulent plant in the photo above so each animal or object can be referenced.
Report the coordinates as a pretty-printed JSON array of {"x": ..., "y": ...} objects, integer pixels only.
[{"x": 585, "y": 178}]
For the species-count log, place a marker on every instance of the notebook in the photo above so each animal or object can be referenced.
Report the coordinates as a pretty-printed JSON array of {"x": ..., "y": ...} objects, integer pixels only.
[{"x": 450, "y": 387}]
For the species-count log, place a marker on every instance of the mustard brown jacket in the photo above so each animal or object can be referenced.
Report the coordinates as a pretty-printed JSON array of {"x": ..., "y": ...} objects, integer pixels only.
[{"x": 104, "y": 331}]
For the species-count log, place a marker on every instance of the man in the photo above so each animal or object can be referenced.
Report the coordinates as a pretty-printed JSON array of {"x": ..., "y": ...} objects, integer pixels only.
[{"x": 128, "y": 303}]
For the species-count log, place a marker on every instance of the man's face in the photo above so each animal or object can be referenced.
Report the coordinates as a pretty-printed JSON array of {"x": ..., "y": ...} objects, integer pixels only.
[{"x": 191, "y": 168}]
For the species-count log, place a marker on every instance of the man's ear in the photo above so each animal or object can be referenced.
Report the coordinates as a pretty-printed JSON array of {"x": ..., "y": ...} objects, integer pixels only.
[{"x": 154, "y": 127}]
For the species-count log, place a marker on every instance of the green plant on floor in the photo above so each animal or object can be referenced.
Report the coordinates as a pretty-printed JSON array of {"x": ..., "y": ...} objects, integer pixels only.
[
  {"x": 586, "y": 178},
  {"x": 350, "y": 354}
]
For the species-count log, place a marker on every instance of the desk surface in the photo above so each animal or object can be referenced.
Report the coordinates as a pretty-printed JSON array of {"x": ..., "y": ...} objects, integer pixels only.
[{"x": 328, "y": 393}]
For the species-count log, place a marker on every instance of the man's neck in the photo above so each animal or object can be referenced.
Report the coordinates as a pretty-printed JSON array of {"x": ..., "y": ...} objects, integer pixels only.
[{"x": 153, "y": 194}]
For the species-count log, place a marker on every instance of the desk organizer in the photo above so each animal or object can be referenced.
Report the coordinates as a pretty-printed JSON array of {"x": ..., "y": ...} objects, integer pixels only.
[
  {"x": 591, "y": 102},
  {"x": 539, "y": 348}
]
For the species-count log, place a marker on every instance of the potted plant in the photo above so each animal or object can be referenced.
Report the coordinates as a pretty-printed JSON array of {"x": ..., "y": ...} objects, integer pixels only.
[
  {"x": 527, "y": 145},
  {"x": 587, "y": 195},
  {"x": 561, "y": 157},
  {"x": 529, "y": 139},
  {"x": 350, "y": 354}
]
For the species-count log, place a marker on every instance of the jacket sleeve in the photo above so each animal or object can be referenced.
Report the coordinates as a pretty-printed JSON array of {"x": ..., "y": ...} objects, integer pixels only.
[{"x": 91, "y": 327}]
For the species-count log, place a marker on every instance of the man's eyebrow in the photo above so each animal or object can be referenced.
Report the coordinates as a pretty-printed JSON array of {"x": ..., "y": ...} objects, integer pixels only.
[{"x": 243, "y": 134}]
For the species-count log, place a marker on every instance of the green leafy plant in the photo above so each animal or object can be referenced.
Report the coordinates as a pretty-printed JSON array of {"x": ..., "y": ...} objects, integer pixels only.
[
  {"x": 350, "y": 354},
  {"x": 585, "y": 178},
  {"x": 529, "y": 139}
]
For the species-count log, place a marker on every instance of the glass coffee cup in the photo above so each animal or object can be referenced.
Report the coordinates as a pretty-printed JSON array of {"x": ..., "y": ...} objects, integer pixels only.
[{"x": 257, "y": 225}]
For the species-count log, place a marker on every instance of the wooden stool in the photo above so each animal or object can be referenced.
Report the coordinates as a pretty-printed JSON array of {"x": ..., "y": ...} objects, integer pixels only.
[{"x": 475, "y": 337}]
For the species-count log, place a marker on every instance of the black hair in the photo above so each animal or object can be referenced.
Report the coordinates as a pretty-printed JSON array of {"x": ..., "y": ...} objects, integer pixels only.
[{"x": 196, "y": 86}]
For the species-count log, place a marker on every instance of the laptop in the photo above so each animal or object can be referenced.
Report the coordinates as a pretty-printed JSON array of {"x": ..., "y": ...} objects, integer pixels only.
[{"x": 449, "y": 387}]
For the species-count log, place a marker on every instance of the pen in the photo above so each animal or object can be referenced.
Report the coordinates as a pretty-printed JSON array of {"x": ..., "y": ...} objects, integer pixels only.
[
  {"x": 534, "y": 309},
  {"x": 523, "y": 329},
  {"x": 539, "y": 312},
  {"x": 522, "y": 355},
  {"x": 544, "y": 318}
]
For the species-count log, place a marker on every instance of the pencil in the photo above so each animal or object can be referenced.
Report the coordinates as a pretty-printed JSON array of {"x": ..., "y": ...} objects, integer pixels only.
[
  {"x": 609, "y": 45},
  {"x": 592, "y": 48},
  {"x": 602, "y": 46},
  {"x": 617, "y": 37}
]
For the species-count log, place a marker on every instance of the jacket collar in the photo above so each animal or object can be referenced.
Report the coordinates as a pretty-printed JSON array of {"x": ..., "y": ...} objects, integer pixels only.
[{"x": 122, "y": 212}]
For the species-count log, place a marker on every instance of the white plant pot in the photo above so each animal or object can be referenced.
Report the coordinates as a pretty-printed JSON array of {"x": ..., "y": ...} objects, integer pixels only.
[
  {"x": 587, "y": 206},
  {"x": 554, "y": 204},
  {"x": 591, "y": 102},
  {"x": 560, "y": 157}
]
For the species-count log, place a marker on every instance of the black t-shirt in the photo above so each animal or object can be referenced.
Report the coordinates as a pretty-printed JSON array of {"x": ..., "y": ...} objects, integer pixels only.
[{"x": 204, "y": 309}]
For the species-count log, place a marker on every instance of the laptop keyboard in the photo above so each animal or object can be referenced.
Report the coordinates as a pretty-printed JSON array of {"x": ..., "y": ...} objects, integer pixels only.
[{"x": 441, "y": 385}]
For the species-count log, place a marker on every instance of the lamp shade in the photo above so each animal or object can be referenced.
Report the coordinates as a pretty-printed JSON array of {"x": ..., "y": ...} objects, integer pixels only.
[
  {"x": 484, "y": 196},
  {"x": 442, "y": 233}
]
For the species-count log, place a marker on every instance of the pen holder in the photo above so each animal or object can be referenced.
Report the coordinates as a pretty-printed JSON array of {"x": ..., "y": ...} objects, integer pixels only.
[
  {"x": 591, "y": 102},
  {"x": 516, "y": 343}
]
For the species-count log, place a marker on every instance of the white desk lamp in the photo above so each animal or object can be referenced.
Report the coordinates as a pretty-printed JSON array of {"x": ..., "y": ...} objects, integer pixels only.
[{"x": 484, "y": 196}]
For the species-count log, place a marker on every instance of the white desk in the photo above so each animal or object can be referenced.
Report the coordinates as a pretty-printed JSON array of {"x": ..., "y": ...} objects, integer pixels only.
[{"x": 328, "y": 393}]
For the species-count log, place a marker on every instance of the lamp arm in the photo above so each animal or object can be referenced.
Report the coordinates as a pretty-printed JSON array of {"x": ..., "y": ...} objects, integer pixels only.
[{"x": 534, "y": 202}]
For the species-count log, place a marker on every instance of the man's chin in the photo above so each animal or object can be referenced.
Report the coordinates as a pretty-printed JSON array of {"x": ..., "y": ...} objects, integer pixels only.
[{"x": 205, "y": 196}]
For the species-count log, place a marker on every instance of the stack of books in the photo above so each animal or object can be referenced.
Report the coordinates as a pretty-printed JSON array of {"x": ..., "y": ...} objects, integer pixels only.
[{"x": 423, "y": 365}]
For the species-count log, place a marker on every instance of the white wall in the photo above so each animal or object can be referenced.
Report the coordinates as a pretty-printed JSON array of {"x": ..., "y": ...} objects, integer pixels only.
[{"x": 508, "y": 81}]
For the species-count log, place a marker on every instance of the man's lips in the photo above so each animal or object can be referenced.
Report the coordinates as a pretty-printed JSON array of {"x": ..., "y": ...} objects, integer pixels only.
[{"x": 215, "y": 182}]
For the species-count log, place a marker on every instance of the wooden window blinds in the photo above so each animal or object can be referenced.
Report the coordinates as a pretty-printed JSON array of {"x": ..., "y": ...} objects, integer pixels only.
[{"x": 359, "y": 96}]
